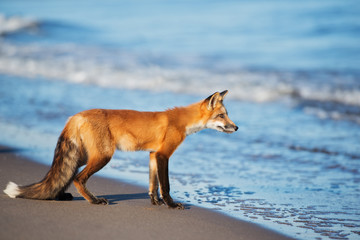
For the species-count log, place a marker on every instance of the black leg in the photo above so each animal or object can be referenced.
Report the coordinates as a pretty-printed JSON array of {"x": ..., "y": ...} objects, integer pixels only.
[{"x": 163, "y": 174}]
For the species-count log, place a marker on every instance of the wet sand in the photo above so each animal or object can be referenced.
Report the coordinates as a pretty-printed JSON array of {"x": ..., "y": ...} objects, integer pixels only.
[{"x": 128, "y": 216}]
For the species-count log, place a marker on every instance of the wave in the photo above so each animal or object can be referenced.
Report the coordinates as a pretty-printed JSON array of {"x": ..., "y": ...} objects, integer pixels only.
[
  {"x": 319, "y": 92},
  {"x": 14, "y": 24}
]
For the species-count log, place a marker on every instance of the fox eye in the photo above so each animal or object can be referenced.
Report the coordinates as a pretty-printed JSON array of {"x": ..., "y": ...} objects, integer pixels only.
[{"x": 221, "y": 116}]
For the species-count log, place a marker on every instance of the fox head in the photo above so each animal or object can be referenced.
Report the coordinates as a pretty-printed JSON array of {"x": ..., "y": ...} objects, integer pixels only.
[{"x": 216, "y": 113}]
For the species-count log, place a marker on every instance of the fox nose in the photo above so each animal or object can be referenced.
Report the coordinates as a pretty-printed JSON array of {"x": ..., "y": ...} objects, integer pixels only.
[{"x": 236, "y": 128}]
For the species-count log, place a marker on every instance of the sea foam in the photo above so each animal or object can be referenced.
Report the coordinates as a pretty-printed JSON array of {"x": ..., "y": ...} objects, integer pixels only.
[
  {"x": 120, "y": 69},
  {"x": 9, "y": 25}
]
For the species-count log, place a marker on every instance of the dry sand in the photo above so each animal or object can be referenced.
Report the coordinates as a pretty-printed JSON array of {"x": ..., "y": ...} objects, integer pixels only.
[{"x": 129, "y": 215}]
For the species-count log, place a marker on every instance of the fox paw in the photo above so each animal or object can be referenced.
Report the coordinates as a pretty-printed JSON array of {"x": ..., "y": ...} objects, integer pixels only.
[
  {"x": 155, "y": 200},
  {"x": 174, "y": 205},
  {"x": 65, "y": 197},
  {"x": 102, "y": 201}
]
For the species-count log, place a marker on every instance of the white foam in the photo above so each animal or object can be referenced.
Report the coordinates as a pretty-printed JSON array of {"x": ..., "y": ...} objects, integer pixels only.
[
  {"x": 12, "y": 190},
  {"x": 14, "y": 24},
  {"x": 79, "y": 64}
]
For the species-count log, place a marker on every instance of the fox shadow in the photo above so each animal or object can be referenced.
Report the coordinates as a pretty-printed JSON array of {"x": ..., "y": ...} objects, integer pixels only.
[{"x": 114, "y": 199}]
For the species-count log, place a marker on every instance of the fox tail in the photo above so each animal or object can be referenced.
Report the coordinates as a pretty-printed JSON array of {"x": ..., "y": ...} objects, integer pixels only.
[{"x": 67, "y": 158}]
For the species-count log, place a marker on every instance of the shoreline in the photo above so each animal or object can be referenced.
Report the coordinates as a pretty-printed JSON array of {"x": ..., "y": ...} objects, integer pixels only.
[{"x": 128, "y": 216}]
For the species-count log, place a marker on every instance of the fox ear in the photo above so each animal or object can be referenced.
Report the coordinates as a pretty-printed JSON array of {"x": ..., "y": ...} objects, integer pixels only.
[
  {"x": 223, "y": 94},
  {"x": 212, "y": 100}
]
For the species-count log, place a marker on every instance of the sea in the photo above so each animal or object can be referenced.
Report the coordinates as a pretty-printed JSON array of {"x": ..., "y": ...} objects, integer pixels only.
[{"x": 292, "y": 69}]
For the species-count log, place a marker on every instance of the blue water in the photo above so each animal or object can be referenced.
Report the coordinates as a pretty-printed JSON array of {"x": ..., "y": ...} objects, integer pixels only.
[{"x": 292, "y": 70}]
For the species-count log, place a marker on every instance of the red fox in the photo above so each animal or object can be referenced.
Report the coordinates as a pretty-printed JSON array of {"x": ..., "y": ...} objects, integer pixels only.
[{"x": 91, "y": 137}]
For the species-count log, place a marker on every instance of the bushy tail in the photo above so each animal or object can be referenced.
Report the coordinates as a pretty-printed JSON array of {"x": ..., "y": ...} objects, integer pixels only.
[{"x": 66, "y": 161}]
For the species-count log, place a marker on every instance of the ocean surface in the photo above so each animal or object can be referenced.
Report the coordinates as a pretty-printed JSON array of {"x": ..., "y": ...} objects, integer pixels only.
[{"x": 293, "y": 74}]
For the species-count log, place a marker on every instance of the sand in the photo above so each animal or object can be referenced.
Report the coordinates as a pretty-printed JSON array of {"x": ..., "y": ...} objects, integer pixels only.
[{"x": 128, "y": 216}]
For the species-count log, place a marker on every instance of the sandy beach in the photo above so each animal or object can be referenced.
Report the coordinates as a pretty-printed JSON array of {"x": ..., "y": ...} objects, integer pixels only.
[
  {"x": 293, "y": 75},
  {"x": 128, "y": 216}
]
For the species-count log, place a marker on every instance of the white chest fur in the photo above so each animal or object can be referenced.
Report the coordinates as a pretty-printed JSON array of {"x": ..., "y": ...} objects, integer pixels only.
[{"x": 194, "y": 128}]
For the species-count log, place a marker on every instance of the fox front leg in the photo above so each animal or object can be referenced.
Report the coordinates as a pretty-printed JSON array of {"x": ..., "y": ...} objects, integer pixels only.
[
  {"x": 154, "y": 181},
  {"x": 163, "y": 176}
]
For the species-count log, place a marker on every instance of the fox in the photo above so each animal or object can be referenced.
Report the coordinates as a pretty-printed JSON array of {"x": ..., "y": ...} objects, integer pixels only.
[{"x": 91, "y": 137}]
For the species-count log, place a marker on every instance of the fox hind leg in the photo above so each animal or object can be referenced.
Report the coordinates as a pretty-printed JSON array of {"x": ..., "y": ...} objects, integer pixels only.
[{"x": 81, "y": 179}]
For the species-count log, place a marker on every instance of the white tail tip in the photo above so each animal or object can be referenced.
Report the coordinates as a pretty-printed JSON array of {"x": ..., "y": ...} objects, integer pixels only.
[{"x": 12, "y": 190}]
